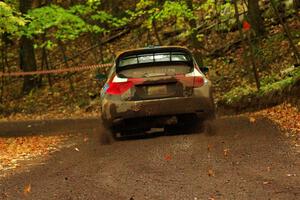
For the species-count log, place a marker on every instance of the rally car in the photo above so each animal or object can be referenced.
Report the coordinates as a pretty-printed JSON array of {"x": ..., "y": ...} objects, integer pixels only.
[{"x": 155, "y": 87}]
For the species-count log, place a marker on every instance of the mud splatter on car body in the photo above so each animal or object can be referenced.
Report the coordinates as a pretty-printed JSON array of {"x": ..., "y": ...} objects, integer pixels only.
[{"x": 147, "y": 87}]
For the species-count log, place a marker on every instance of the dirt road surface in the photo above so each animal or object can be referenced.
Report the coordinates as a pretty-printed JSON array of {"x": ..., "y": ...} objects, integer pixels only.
[{"x": 242, "y": 160}]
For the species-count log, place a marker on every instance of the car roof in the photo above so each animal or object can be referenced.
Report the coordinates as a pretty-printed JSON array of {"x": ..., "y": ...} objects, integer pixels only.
[{"x": 153, "y": 49}]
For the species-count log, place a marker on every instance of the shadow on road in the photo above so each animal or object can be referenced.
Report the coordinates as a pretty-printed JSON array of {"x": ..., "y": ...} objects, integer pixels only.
[
  {"x": 208, "y": 128},
  {"x": 47, "y": 127}
]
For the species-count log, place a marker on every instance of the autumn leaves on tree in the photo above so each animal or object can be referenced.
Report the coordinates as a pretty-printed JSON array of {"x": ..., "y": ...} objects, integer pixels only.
[{"x": 46, "y": 27}]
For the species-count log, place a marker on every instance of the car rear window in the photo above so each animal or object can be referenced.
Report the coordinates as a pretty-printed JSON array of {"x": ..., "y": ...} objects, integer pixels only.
[{"x": 153, "y": 58}]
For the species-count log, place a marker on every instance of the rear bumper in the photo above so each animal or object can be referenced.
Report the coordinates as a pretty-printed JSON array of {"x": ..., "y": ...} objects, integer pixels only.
[{"x": 115, "y": 112}]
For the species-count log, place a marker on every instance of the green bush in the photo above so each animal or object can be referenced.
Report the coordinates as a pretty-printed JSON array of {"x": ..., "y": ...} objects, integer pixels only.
[{"x": 268, "y": 84}]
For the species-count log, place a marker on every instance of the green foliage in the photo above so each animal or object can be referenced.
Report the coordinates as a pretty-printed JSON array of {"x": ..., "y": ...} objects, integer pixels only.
[
  {"x": 270, "y": 80},
  {"x": 237, "y": 93},
  {"x": 111, "y": 21},
  {"x": 10, "y": 20},
  {"x": 227, "y": 18},
  {"x": 285, "y": 6},
  {"x": 224, "y": 12},
  {"x": 170, "y": 10},
  {"x": 91, "y": 13},
  {"x": 175, "y": 9},
  {"x": 277, "y": 83},
  {"x": 67, "y": 25},
  {"x": 276, "y": 86},
  {"x": 268, "y": 85}
]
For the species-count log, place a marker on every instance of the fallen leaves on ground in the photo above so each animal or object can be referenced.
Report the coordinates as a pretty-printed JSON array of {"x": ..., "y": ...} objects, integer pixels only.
[
  {"x": 168, "y": 157},
  {"x": 209, "y": 147},
  {"x": 14, "y": 150},
  {"x": 55, "y": 114},
  {"x": 226, "y": 152},
  {"x": 27, "y": 189},
  {"x": 210, "y": 172},
  {"x": 266, "y": 183},
  {"x": 252, "y": 119},
  {"x": 290, "y": 175},
  {"x": 286, "y": 116}
]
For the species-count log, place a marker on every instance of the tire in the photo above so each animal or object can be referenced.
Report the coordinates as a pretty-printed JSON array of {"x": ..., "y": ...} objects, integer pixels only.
[
  {"x": 209, "y": 127},
  {"x": 107, "y": 137}
]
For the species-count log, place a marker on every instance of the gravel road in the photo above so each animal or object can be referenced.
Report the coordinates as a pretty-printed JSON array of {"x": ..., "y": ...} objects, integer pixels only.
[{"x": 242, "y": 160}]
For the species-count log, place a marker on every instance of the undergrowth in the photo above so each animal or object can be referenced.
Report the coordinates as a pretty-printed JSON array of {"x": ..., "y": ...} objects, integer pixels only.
[{"x": 268, "y": 84}]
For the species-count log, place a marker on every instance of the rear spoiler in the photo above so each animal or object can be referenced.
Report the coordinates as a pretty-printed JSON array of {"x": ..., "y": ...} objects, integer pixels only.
[{"x": 136, "y": 55}]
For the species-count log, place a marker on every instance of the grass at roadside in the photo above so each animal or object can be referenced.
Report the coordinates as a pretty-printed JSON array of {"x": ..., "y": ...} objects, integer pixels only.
[{"x": 268, "y": 85}]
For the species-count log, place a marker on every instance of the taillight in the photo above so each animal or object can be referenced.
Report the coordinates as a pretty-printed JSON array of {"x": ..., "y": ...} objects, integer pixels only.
[
  {"x": 194, "y": 79},
  {"x": 198, "y": 81},
  {"x": 118, "y": 88}
]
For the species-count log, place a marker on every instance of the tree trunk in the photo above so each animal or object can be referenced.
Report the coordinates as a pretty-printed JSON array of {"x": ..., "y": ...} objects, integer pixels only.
[
  {"x": 196, "y": 44},
  {"x": 255, "y": 18},
  {"x": 27, "y": 56},
  {"x": 296, "y": 5},
  {"x": 236, "y": 15},
  {"x": 288, "y": 32},
  {"x": 45, "y": 62},
  {"x": 3, "y": 71},
  {"x": 63, "y": 51},
  {"x": 156, "y": 33},
  {"x": 252, "y": 59},
  {"x": 159, "y": 5}
]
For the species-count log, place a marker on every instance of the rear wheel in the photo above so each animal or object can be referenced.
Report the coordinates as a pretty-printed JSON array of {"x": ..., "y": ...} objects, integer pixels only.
[
  {"x": 208, "y": 127},
  {"x": 107, "y": 136}
]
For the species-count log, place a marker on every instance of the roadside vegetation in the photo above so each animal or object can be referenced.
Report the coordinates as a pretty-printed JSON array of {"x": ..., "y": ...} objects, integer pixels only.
[
  {"x": 277, "y": 83},
  {"x": 252, "y": 48}
]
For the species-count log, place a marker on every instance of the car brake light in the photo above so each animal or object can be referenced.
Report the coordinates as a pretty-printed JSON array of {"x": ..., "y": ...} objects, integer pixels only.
[
  {"x": 194, "y": 79},
  {"x": 198, "y": 81},
  {"x": 119, "y": 87}
]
